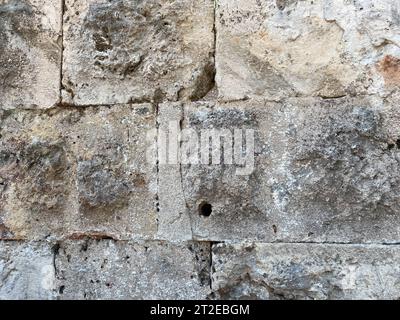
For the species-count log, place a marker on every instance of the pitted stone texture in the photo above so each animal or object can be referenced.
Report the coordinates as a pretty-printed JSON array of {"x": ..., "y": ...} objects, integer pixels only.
[
  {"x": 26, "y": 271},
  {"x": 137, "y": 50},
  {"x": 30, "y": 53},
  {"x": 123, "y": 270},
  {"x": 116, "y": 185},
  {"x": 71, "y": 173},
  {"x": 325, "y": 171},
  {"x": 324, "y": 48},
  {"x": 305, "y": 271}
]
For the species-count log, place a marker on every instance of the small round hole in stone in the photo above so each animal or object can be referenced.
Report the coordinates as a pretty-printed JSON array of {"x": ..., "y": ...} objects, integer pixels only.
[{"x": 205, "y": 209}]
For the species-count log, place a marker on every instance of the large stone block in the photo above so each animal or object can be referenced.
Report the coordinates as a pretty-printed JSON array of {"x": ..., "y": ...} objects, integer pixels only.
[
  {"x": 327, "y": 48},
  {"x": 122, "y": 270},
  {"x": 324, "y": 171},
  {"x": 73, "y": 173},
  {"x": 26, "y": 271},
  {"x": 30, "y": 53},
  {"x": 305, "y": 271},
  {"x": 137, "y": 50}
]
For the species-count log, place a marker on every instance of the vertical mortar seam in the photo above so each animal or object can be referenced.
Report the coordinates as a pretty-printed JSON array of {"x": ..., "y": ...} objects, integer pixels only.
[{"x": 62, "y": 50}]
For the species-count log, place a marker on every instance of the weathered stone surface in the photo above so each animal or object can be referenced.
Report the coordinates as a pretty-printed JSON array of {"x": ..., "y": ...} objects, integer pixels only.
[
  {"x": 122, "y": 270},
  {"x": 71, "y": 173},
  {"x": 30, "y": 53},
  {"x": 100, "y": 199},
  {"x": 325, "y": 170},
  {"x": 141, "y": 50},
  {"x": 26, "y": 271},
  {"x": 174, "y": 221},
  {"x": 305, "y": 271},
  {"x": 321, "y": 48}
]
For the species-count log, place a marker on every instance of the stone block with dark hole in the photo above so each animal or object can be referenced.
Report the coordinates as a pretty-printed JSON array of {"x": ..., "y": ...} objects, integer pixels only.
[{"x": 324, "y": 171}]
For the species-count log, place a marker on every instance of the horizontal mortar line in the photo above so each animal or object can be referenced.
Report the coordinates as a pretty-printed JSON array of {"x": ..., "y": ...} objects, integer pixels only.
[
  {"x": 136, "y": 241},
  {"x": 277, "y": 100},
  {"x": 66, "y": 106},
  {"x": 63, "y": 107},
  {"x": 213, "y": 242},
  {"x": 228, "y": 242}
]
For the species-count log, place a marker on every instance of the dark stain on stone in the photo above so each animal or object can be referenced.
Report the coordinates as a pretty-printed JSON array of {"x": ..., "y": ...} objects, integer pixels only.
[
  {"x": 14, "y": 65},
  {"x": 204, "y": 82},
  {"x": 132, "y": 39},
  {"x": 102, "y": 42},
  {"x": 100, "y": 185},
  {"x": 5, "y": 233},
  {"x": 282, "y": 4},
  {"x": 44, "y": 172},
  {"x": 139, "y": 180}
]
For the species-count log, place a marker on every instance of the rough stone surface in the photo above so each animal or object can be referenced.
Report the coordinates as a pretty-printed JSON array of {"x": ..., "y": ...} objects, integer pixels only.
[
  {"x": 30, "y": 53},
  {"x": 100, "y": 200},
  {"x": 300, "y": 271},
  {"x": 123, "y": 270},
  {"x": 327, "y": 48},
  {"x": 325, "y": 170},
  {"x": 65, "y": 173},
  {"x": 26, "y": 271},
  {"x": 140, "y": 50}
]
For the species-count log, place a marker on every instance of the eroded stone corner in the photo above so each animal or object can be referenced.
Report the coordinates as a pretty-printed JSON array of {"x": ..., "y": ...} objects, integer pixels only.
[{"x": 122, "y": 51}]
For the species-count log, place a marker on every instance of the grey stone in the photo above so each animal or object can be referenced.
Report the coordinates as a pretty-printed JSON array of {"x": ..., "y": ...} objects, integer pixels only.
[
  {"x": 26, "y": 271},
  {"x": 325, "y": 171},
  {"x": 100, "y": 200},
  {"x": 71, "y": 173},
  {"x": 123, "y": 270},
  {"x": 123, "y": 51},
  {"x": 326, "y": 48},
  {"x": 174, "y": 221},
  {"x": 30, "y": 53},
  {"x": 305, "y": 271}
]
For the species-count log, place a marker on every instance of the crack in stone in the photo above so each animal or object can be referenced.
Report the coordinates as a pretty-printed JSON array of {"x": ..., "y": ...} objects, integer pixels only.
[
  {"x": 157, "y": 109},
  {"x": 181, "y": 175}
]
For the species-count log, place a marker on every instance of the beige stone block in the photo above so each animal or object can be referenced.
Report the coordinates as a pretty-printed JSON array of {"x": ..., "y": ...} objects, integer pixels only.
[
  {"x": 124, "y": 51},
  {"x": 78, "y": 172},
  {"x": 30, "y": 53},
  {"x": 326, "y": 48}
]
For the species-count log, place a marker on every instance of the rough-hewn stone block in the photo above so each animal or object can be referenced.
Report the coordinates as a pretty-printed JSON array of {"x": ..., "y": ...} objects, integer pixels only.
[
  {"x": 321, "y": 48},
  {"x": 30, "y": 53},
  {"x": 71, "y": 173},
  {"x": 123, "y": 270},
  {"x": 325, "y": 170},
  {"x": 26, "y": 271},
  {"x": 140, "y": 50},
  {"x": 305, "y": 271}
]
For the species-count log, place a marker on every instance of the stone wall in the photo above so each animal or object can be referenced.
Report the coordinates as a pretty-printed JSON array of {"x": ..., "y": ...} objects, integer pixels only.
[{"x": 84, "y": 214}]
